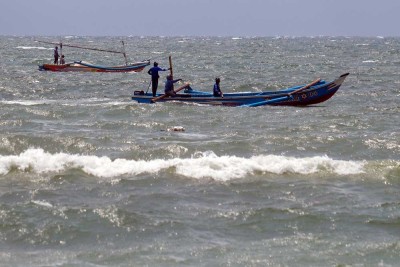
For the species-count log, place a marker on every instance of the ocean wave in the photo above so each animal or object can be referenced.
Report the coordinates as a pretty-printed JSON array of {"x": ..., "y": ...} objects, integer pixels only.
[
  {"x": 201, "y": 165},
  {"x": 33, "y": 47},
  {"x": 27, "y": 102}
]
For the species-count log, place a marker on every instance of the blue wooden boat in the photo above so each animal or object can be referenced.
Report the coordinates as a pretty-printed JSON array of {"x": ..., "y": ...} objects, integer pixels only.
[{"x": 315, "y": 92}]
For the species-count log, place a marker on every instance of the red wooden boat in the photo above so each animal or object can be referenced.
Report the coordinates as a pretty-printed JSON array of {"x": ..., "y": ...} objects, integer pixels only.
[{"x": 81, "y": 66}]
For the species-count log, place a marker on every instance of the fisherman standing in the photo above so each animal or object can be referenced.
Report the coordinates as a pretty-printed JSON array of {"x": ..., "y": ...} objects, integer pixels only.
[
  {"x": 56, "y": 55},
  {"x": 154, "y": 77},
  {"x": 217, "y": 90}
]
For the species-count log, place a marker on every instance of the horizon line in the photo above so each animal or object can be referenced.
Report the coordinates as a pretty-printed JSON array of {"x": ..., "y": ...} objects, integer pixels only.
[{"x": 214, "y": 36}]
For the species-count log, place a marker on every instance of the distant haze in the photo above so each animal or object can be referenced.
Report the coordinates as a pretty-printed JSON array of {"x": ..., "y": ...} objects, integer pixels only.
[{"x": 201, "y": 17}]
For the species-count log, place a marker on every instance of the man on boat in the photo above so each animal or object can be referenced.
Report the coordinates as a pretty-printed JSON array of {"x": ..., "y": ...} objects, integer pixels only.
[
  {"x": 56, "y": 55},
  {"x": 154, "y": 77},
  {"x": 169, "y": 86},
  {"x": 62, "y": 60},
  {"x": 217, "y": 90}
]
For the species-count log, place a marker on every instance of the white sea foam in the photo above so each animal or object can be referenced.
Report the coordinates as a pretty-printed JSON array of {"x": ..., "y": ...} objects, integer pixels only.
[
  {"x": 204, "y": 165},
  {"x": 42, "y": 203},
  {"x": 33, "y": 47},
  {"x": 27, "y": 102},
  {"x": 370, "y": 61}
]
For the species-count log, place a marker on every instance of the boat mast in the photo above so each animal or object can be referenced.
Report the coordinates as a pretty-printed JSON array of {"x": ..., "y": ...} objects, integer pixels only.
[
  {"x": 60, "y": 55},
  {"x": 124, "y": 52}
]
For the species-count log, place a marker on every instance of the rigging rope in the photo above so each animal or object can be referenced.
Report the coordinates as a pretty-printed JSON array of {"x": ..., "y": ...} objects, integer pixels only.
[{"x": 82, "y": 47}]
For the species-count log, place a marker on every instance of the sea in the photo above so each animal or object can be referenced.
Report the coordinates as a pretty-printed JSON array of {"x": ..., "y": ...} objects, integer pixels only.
[{"x": 89, "y": 177}]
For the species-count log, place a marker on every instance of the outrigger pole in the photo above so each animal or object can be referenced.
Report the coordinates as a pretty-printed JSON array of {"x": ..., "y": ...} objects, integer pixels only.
[
  {"x": 170, "y": 67},
  {"x": 89, "y": 48},
  {"x": 61, "y": 54},
  {"x": 171, "y": 72}
]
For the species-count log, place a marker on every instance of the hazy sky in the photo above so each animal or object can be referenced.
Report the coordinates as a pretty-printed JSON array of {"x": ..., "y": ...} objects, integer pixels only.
[{"x": 200, "y": 17}]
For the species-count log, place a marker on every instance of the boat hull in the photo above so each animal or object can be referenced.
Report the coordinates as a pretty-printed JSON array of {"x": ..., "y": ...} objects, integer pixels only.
[
  {"x": 318, "y": 93},
  {"x": 85, "y": 67}
]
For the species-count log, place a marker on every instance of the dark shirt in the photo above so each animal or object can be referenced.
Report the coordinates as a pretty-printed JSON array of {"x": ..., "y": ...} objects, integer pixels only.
[
  {"x": 55, "y": 53},
  {"x": 217, "y": 90},
  {"x": 169, "y": 85},
  {"x": 154, "y": 72}
]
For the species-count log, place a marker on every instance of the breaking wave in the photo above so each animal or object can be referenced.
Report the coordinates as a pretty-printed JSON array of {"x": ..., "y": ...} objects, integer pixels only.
[
  {"x": 202, "y": 165},
  {"x": 33, "y": 47}
]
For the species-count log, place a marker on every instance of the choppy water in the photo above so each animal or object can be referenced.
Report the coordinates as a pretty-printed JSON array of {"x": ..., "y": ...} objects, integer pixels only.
[{"x": 90, "y": 178}]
